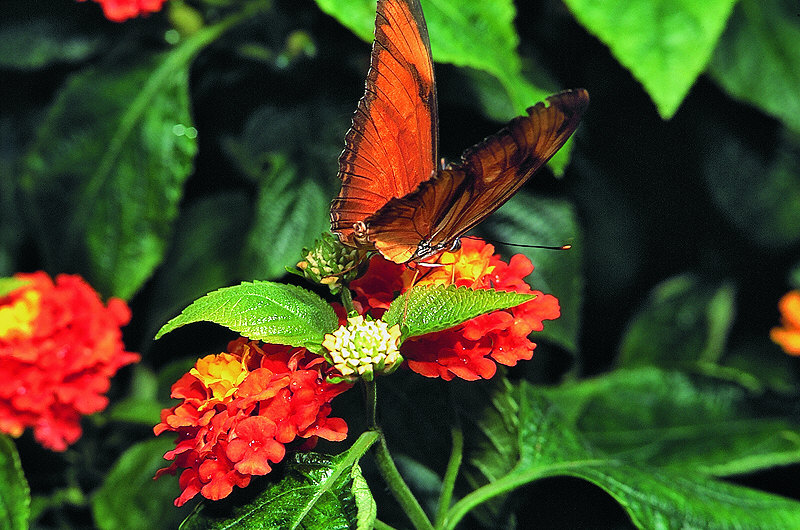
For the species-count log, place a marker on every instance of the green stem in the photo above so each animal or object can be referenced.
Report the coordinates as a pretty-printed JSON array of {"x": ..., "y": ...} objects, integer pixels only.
[
  {"x": 347, "y": 302},
  {"x": 450, "y": 475},
  {"x": 399, "y": 488},
  {"x": 380, "y": 525},
  {"x": 371, "y": 398},
  {"x": 508, "y": 483}
]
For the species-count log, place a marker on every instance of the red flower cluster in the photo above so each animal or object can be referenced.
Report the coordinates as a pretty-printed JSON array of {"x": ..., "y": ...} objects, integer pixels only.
[
  {"x": 59, "y": 346},
  {"x": 788, "y": 336},
  {"x": 239, "y": 409},
  {"x": 470, "y": 350},
  {"x": 122, "y": 10}
]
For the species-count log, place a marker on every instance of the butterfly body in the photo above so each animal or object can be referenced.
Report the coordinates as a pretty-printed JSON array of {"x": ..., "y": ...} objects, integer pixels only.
[{"x": 394, "y": 198}]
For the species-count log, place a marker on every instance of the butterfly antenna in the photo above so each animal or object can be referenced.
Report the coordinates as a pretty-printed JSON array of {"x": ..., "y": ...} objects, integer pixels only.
[{"x": 520, "y": 245}]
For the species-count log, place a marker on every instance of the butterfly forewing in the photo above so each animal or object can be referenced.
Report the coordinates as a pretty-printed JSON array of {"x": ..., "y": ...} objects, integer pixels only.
[
  {"x": 446, "y": 206},
  {"x": 392, "y": 144}
]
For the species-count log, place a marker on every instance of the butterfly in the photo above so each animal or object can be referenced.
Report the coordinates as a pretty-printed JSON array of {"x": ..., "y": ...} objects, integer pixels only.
[{"x": 395, "y": 198}]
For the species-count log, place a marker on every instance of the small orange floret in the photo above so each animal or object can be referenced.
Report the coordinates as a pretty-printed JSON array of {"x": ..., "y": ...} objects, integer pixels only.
[{"x": 788, "y": 336}]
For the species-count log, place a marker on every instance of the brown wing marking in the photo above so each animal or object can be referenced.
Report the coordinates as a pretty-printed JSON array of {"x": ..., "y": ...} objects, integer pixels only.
[
  {"x": 392, "y": 144},
  {"x": 446, "y": 206}
]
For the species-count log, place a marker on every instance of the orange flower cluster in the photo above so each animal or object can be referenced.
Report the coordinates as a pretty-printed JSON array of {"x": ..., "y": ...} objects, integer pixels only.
[
  {"x": 470, "y": 350},
  {"x": 59, "y": 347},
  {"x": 788, "y": 336},
  {"x": 239, "y": 409},
  {"x": 122, "y": 10}
]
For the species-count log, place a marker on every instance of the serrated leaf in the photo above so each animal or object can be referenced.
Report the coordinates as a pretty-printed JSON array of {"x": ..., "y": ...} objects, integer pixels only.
[
  {"x": 545, "y": 446},
  {"x": 15, "y": 499},
  {"x": 684, "y": 322},
  {"x": 666, "y": 44},
  {"x": 758, "y": 60},
  {"x": 130, "y": 498},
  {"x": 271, "y": 312},
  {"x": 668, "y": 419},
  {"x": 293, "y": 177},
  {"x": 756, "y": 189},
  {"x": 478, "y": 34},
  {"x": 367, "y": 510},
  {"x": 425, "y": 309},
  {"x": 533, "y": 220},
  {"x": 316, "y": 492},
  {"x": 104, "y": 177}
]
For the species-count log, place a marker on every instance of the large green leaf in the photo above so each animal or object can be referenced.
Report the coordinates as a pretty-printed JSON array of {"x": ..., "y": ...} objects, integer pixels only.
[
  {"x": 293, "y": 176},
  {"x": 684, "y": 322},
  {"x": 757, "y": 189},
  {"x": 667, "y": 419},
  {"x": 425, "y": 309},
  {"x": 758, "y": 60},
  {"x": 666, "y": 44},
  {"x": 530, "y": 220},
  {"x": 104, "y": 177},
  {"x": 15, "y": 498},
  {"x": 316, "y": 492},
  {"x": 528, "y": 439},
  {"x": 272, "y": 312},
  {"x": 478, "y": 34},
  {"x": 129, "y": 497}
]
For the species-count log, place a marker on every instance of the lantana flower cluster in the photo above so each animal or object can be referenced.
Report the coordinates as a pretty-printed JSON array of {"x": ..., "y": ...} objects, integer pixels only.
[
  {"x": 122, "y": 10},
  {"x": 788, "y": 335},
  {"x": 472, "y": 349},
  {"x": 239, "y": 409},
  {"x": 59, "y": 347}
]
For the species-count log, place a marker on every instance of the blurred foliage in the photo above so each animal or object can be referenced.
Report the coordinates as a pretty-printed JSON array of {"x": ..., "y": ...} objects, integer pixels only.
[{"x": 191, "y": 150}]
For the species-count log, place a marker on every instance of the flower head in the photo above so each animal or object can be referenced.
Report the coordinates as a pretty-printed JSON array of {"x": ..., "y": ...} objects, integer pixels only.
[
  {"x": 472, "y": 349},
  {"x": 59, "y": 347},
  {"x": 330, "y": 263},
  {"x": 788, "y": 336},
  {"x": 238, "y": 411},
  {"x": 363, "y": 348},
  {"x": 122, "y": 10}
]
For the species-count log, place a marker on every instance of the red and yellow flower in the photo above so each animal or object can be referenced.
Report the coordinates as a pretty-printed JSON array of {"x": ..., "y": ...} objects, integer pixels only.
[
  {"x": 239, "y": 409},
  {"x": 788, "y": 335},
  {"x": 472, "y": 349},
  {"x": 59, "y": 347},
  {"x": 122, "y": 10}
]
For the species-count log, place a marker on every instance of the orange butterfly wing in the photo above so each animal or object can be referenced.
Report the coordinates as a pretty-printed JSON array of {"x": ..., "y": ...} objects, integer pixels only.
[
  {"x": 443, "y": 208},
  {"x": 392, "y": 145}
]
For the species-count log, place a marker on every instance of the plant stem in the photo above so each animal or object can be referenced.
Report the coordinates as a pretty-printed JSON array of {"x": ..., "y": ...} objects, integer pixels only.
[
  {"x": 347, "y": 302},
  {"x": 450, "y": 475},
  {"x": 399, "y": 488}
]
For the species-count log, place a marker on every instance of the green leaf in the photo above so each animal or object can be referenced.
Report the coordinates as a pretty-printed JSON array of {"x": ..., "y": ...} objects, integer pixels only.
[
  {"x": 757, "y": 191},
  {"x": 317, "y": 492},
  {"x": 666, "y": 44},
  {"x": 104, "y": 177},
  {"x": 531, "y": 220},
  {"x": 40, "y": 43},
  {"x": 266, "y": 311},
  {"x": 668, "y": 419},
  {"x": 425, "y": 309},
  {"x": 15, "y": 498},
  {"x": 758, "y": 60},
  {"x": 684, "y": 322},
  {"x": 478, "y": 34},
  {"x": 543, "y": 445},
  {"x": 9, "y": 285},
  {"x": 130, "y": 498}
]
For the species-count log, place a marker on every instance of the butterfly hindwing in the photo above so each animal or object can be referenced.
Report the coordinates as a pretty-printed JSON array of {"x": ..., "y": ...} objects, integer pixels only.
[
  {"x": 456, "y": 199},
  {"x": 392, "y": 144}
]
